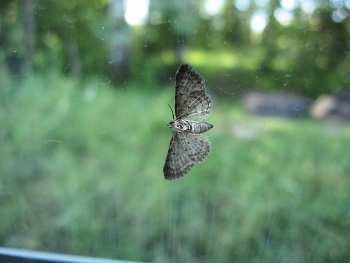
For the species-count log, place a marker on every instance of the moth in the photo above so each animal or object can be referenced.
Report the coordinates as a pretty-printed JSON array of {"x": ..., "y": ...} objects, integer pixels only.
[{"x": 188, "y": 146}]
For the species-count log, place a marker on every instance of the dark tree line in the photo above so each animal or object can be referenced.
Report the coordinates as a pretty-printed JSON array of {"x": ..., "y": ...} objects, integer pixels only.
[{"x": 310, "y": 55}]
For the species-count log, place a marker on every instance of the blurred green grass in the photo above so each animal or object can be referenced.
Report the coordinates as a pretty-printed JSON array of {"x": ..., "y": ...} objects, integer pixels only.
[{"x": 81, "y": 173}]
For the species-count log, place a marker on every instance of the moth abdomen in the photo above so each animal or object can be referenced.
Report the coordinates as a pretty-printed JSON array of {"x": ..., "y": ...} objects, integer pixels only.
[{"x": 199, "y": 127}]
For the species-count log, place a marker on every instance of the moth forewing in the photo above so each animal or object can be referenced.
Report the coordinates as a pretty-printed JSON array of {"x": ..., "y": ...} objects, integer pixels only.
[
  {"x": 191, "y": 99},
  {"x": 177, "y": 164}
]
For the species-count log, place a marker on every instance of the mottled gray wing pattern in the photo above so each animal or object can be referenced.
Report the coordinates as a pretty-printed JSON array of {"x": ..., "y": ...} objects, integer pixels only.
[
  {"x": 185, "y": 150},
  {"x": 177, "y": 162},
  {"x": 191, "y": 101},
  {"x": 196, "y": 146}
]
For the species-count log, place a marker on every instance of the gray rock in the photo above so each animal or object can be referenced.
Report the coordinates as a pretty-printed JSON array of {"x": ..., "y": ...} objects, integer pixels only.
[
  {"x": 275, "y": 104},
  {"x": 332, "y": 106}
]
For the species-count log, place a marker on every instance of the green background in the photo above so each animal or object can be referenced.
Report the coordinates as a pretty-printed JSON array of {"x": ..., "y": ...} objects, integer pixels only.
[{"x": 83, "y": 138}]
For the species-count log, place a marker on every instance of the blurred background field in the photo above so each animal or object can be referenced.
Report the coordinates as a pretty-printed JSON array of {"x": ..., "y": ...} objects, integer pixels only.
[{"x": 84, "y": 90}]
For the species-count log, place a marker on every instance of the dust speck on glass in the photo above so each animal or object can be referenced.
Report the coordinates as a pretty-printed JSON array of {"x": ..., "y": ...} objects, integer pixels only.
[{"x": 187, "y": 145}]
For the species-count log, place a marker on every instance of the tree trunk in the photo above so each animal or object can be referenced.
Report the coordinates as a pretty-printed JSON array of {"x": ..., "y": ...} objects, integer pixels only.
[
  {"x": 73, "y": 54},
  {"x": 121, "y": 49},
  {"x": 29, "y": 32}
]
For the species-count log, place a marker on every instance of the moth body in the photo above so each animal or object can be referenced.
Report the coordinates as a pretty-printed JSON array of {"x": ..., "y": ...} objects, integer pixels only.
[{"x": 190, "y": 126}]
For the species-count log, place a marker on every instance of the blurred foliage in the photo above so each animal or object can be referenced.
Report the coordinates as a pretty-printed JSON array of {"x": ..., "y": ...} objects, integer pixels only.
[{"x": 81, "y": 173}]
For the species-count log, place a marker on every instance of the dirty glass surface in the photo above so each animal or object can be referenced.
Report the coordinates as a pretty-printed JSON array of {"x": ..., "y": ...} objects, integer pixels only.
[{"x": 84, "y": 90}]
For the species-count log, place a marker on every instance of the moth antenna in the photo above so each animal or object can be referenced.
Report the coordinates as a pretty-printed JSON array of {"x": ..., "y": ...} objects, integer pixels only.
[{"x": 171, "y": 111}]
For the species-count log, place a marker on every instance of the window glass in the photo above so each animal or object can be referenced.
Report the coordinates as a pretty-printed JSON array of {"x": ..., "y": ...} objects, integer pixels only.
[{"x": 84, "y": 90}]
